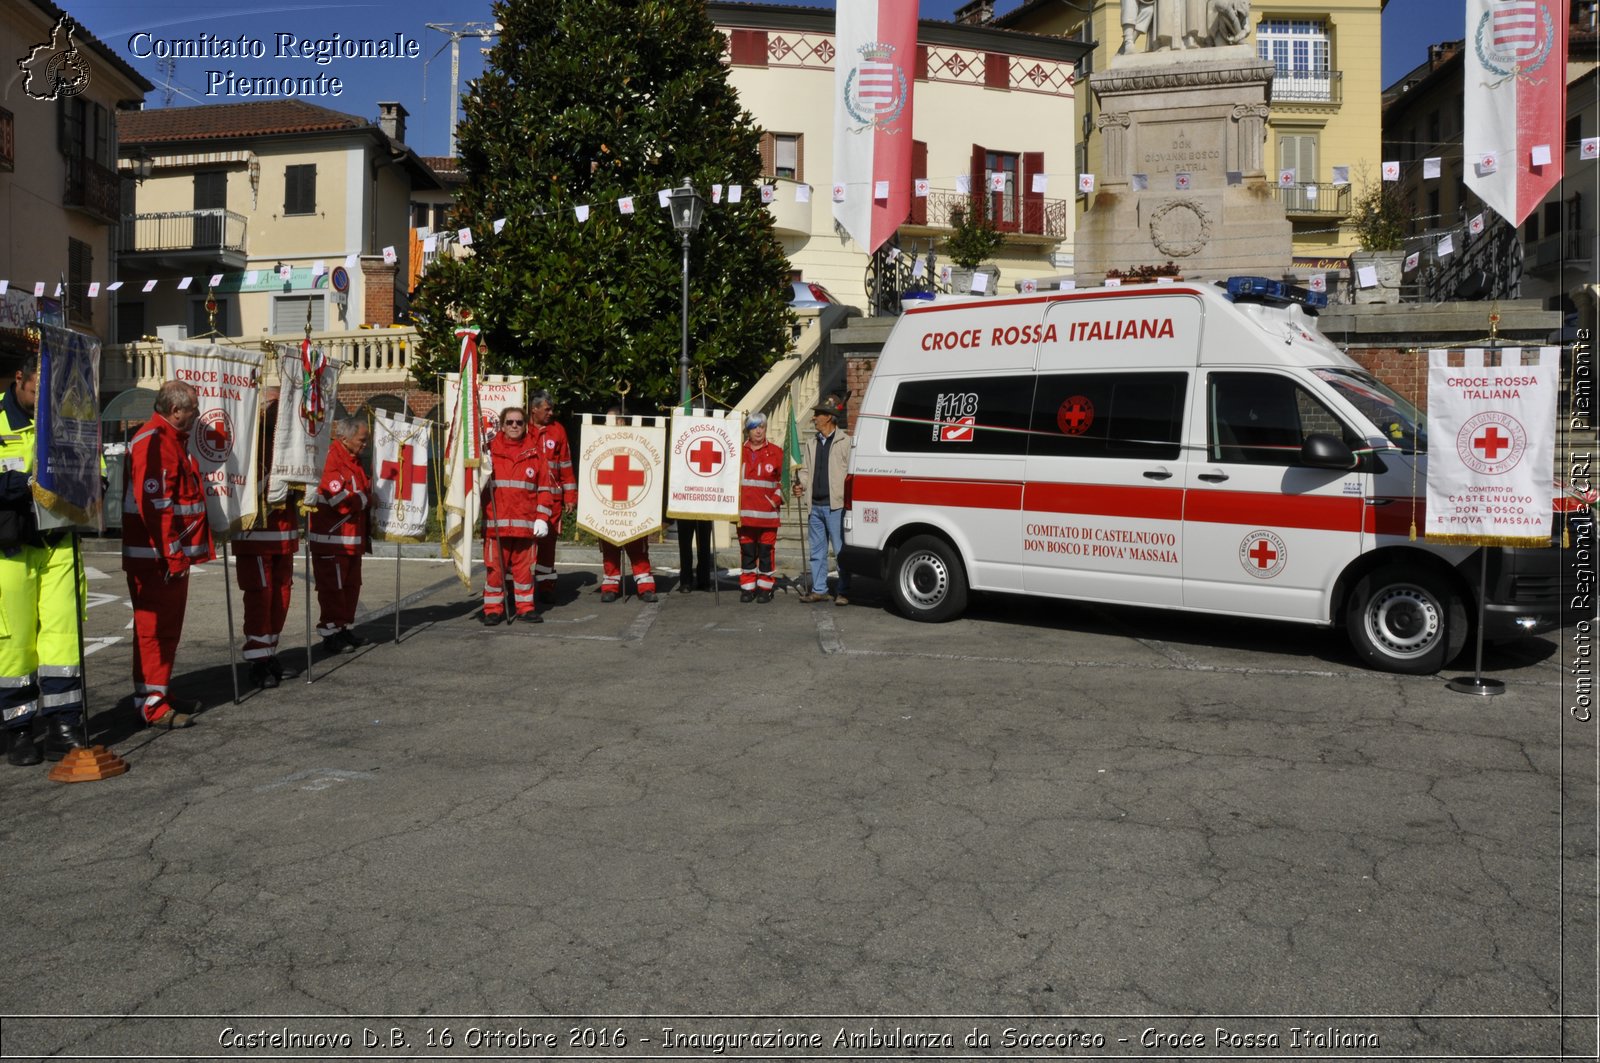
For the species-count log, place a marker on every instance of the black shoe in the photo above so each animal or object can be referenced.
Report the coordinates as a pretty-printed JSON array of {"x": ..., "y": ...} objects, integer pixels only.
[
  {"x": 702, "y": 585},
  {"x": 764, "y": 597},
  {"x": 648, "y": 597},
  {"x": 490, "y": 619},
  {"x": 23, "y": 751},
  {"x": 747, "y": 596},
  {"x": 353, "y": 641},
  {"x": 262, "y": 675},
  {"x": 530, "y": 617},
  {"x": 607, "y": 597},
  {"x": 685, "y": 587},
  {"x": 61, "y": 736}
]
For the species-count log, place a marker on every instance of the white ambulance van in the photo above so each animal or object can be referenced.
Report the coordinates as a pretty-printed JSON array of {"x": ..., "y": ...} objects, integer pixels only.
[{"x": 1183, "y": 446}]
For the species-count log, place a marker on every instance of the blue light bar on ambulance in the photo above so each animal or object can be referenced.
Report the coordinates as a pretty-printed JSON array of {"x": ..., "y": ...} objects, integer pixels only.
[{"x": 1265, "y": 290}]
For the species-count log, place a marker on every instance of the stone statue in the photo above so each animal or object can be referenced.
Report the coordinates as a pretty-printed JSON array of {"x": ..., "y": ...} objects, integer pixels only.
[{"x": 1179, "y": 25}]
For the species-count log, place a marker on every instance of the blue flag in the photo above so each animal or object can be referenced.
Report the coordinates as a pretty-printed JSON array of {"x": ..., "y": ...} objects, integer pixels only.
[{"x": 67, "y": 425}]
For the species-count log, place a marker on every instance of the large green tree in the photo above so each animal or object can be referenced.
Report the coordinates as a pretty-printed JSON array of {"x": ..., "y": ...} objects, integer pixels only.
[{"x": 584, "y": 102}]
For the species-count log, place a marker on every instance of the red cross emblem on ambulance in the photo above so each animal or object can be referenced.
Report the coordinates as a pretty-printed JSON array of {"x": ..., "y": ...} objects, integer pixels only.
[{"x": 1263, "y": 554}]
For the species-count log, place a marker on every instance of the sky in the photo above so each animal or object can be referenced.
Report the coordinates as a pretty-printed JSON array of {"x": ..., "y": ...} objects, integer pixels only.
[{"x": 422, "y": 84}]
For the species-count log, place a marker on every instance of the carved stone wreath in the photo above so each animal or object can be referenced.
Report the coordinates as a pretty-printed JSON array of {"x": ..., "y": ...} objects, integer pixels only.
[{"x": 1174, "y": 238}]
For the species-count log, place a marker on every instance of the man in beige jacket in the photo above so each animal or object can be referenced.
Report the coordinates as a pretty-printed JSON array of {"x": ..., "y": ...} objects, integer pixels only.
[{"x": 821, "y": 485}]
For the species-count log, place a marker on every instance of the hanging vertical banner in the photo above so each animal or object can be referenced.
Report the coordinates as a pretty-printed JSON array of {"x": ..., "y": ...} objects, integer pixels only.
[
  {"x": 66, "y": 459},
  {"x": 478, "y": 406},
  {"x": 400, "y": 446},
  {"x": 703, "y": 470},
  {"x": 620, "y": 465},
  {"x": 223, "y": 439},
  {"x": 873, "y": 87},
  {"x": 308, "y": 383},
  {"x": 1516, "y": 91},
  {"x": 1493, "y": 447}
]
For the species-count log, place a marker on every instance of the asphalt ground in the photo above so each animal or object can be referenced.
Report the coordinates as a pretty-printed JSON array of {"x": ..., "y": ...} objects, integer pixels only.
[{"x": 1109, "y": 831}]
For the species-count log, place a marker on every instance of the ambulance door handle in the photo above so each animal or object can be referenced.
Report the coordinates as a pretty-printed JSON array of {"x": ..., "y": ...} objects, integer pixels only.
[
  {"x": 1157, "y": 474},
  {"x": 1213, "y": 477}
]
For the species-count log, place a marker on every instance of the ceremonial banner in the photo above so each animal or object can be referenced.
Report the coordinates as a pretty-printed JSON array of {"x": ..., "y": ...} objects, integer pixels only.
[
  {"x": 1492, "y": 453},
  {"x": 308, "y": 384},
  {"x": 703, "y": 473},
  {"x": 66, "y": 458},
  {"x": 463, "y": 451},
  {"x": 620, "y": 465},
  {"x": 1516, "y": 90},
  {"x": 224, "y": 435},
  {"x": 400, "y": 476},
  {"x": 873, "y": 84}
]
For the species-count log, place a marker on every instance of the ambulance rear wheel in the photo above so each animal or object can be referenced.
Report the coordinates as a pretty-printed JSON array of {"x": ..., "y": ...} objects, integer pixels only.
[
  {"x": 926, "y": 580},
  {"x": 1406, "y": 621}
]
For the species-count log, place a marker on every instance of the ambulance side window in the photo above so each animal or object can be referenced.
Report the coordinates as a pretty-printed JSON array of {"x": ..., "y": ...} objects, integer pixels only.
[
  {"x": 1263, "y": 418},
  {"x": 1109, "y": 415},
  {"x": 960, "y": 416}
]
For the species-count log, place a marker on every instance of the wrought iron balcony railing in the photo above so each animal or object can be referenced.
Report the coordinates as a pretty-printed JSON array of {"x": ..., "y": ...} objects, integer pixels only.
[
  {"x": 92, "y": 189},
  {"x": 1032, "y": 217},
  {"x": 1320, "y": 199},
  {"x": 1308, "y": 86},
  {"x": 212, "y": 229}
]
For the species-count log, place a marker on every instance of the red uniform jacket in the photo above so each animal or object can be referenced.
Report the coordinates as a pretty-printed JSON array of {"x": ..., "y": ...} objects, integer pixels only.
[
  {"x": 280, "y": 534},
  {"x": 163, "y": 502},
  {"x": 524, "y": 489},
  {"x": 339, "y": 523},
  {"x": 556, "y": 448},
  {"x": 760, "y": 481}
]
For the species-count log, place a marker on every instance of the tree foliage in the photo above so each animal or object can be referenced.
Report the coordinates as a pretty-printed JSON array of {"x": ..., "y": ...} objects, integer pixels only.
[{"x": 584, "y": 102}]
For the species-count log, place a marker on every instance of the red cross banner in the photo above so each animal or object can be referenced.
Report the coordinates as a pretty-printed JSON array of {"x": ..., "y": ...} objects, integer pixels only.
[
  {"x": 1491, "y": 453},
  {"x": 224, "y": 437},
  {"x": 703, "y": 471},
  {"x": 399, "y": 477},
  {"x": 621, "y": 465},
  {"x": 301, "y": 436}
]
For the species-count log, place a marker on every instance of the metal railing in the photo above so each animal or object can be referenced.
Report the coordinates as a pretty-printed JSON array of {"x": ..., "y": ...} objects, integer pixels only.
[
  {"x": 373, "y": 356},
  {"x": 1322, "y": 199},
  {"x": 1308, "y": 86},
  {"x": 1033, "y": 217},
  {"x": 92, "y": 188},
  {"x": 212, "y": 229}
]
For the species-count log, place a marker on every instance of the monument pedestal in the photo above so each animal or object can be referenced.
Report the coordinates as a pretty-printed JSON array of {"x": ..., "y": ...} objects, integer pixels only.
[{"x": 1200, "y": 112}]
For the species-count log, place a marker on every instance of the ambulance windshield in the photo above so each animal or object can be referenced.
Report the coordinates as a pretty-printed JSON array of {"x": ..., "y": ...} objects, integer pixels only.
[{"x": 1402, "y": 424}]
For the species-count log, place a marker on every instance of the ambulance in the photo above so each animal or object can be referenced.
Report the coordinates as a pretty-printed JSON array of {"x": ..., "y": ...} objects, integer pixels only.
[{"x": 1190, "y": 446}]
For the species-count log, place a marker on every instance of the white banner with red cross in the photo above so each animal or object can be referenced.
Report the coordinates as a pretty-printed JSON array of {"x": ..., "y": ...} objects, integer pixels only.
[
  {"x": 223, "y": 439},
  {"x": 621, "y": 462},
  {"x": 399, "y": 476},
  {"x": 463, "y": 452},
  {"x": 1491, "y": 453},
  {"x": 703, "y": 467}
]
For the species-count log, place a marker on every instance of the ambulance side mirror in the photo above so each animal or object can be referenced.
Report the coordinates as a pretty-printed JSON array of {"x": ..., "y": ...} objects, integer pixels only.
[{"x": 1324, "y": 451}]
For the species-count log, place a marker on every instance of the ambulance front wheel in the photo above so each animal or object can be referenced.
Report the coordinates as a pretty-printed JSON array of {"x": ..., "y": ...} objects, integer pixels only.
[
  {"x": 926, "y": 580},
  {"x": 1406, "y": 621}
]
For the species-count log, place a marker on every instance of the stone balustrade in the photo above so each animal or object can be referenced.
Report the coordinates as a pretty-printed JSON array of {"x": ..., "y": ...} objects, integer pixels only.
[{"x": 369, "y": 356}]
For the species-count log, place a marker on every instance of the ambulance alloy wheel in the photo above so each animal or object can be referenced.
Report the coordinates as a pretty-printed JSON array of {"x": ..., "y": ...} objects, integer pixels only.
[
  {"x": 1407, "y": 620},
  {"x": 926, "y": 580}
]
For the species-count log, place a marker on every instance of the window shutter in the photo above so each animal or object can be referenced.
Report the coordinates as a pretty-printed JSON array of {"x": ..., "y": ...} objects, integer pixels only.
[
  {"x": 978, "y": 194},
  {"x": 1032, "y": 202},
  {"x": 800, "y": 157},
  {"x": 768, "y": 167},
  {"x": 996, "y": 70},
  {"x": 920, "y": 69},
  {"x": 749, "y": 47},
  {"x": 919, "y": 169}
]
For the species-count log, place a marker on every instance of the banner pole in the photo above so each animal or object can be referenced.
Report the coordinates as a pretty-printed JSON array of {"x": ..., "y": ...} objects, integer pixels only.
[
  {"x": 309, "y": 586},
  {"x": 397, "y": 593},
  {"x": 233, "y": 646},
  {"x": 78, "y": 610},
  {"x": 1476, "y": 683}
]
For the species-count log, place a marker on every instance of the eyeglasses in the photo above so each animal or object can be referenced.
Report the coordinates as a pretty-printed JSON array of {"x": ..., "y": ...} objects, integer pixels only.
[{"x": 514, "y": 424}]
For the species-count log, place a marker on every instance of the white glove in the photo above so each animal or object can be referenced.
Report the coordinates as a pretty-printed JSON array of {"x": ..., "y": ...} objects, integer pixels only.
[{"x": 540, "y": 529}]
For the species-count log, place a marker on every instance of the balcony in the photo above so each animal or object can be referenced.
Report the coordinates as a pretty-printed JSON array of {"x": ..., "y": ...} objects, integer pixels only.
[
  {"x": 368, "y": 356},
  {"x": 1048, "y": 219},
  {"x": 1569, "y": 249},
  {"x": 93, "y": 190},
  {"x": 1308, "y": 86},
  {"x": 1314, "y": 201},
  {"x": 182, "y": 239}
]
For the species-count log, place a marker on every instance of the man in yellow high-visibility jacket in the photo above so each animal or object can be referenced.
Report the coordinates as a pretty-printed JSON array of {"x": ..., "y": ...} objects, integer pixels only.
[{"x": 41, "y": 672}]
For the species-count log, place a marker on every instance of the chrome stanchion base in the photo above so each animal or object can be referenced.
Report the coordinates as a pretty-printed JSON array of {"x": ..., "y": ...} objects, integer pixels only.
[{"x": 1476, "y": 684}]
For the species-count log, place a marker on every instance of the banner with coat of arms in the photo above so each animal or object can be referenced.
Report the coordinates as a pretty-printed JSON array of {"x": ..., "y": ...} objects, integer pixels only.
[
  {"x": 464, "y": 450},
  {"x": 620, "y": 465},
  {"x": 400, "y": 448},
  {"x": 66, "y": 460},
  {"x": 1491, "y": 453},
  {"x": 308, "y": 385},
  {"x": 873, "y": 88},
  {"x": 223, "y": 439},
  {"x": 703, "y": 469},
  {"x": 1515, "y": 106}
]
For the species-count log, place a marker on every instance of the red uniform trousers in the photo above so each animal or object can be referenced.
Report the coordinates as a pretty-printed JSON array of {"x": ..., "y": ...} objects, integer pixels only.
[
  {"x": 638, "y": 555},
  {"x": 267, "y": 581},
  {"x": 158, "y": 608},
  {"x": 758, "y": 571},
  {"x": 514, "y": 556},
  {"x": 338, "y": 590}
]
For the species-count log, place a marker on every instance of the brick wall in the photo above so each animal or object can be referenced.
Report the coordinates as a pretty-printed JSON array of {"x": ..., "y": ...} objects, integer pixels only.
[
  {"x": 857, "y": 372},
  {"x": 378, "y": 278},
  {"x": 1405, "y": 371}
]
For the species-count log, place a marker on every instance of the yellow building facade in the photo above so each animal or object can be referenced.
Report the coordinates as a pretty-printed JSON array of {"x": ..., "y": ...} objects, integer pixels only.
[{"x": 1326, "y": 101}]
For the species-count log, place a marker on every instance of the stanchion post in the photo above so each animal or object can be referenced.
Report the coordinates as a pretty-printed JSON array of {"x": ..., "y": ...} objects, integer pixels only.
[{"x": 227, "y": 600}]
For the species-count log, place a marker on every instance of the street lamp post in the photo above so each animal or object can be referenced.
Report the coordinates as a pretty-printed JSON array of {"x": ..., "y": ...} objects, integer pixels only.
[{"x": 687, "y": 211}]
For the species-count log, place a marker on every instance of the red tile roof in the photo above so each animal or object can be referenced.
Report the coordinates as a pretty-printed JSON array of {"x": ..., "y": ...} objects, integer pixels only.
[{"x": 230, "y": 120}]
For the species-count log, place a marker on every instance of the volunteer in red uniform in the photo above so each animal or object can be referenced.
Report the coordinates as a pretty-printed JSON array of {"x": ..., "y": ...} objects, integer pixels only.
[
  {"x": 548, "y": 433},
  {"x": 265, "y": 571},
  {"x": 164, "y": 534},
  {"x": 339, "y": 536},
  {"x": 760, "y": 500},
  {"x": 517, "y": 510}
]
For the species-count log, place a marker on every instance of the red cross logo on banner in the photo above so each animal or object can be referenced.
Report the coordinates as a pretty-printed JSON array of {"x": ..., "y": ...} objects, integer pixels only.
[
  {"x": 1491, "y": 443},
  {"x": 706, "y": 457},
  {"x": 621, "y": 477},
  {"x": 214, "y": 441},
  {"x": 404, "y": 474}
]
